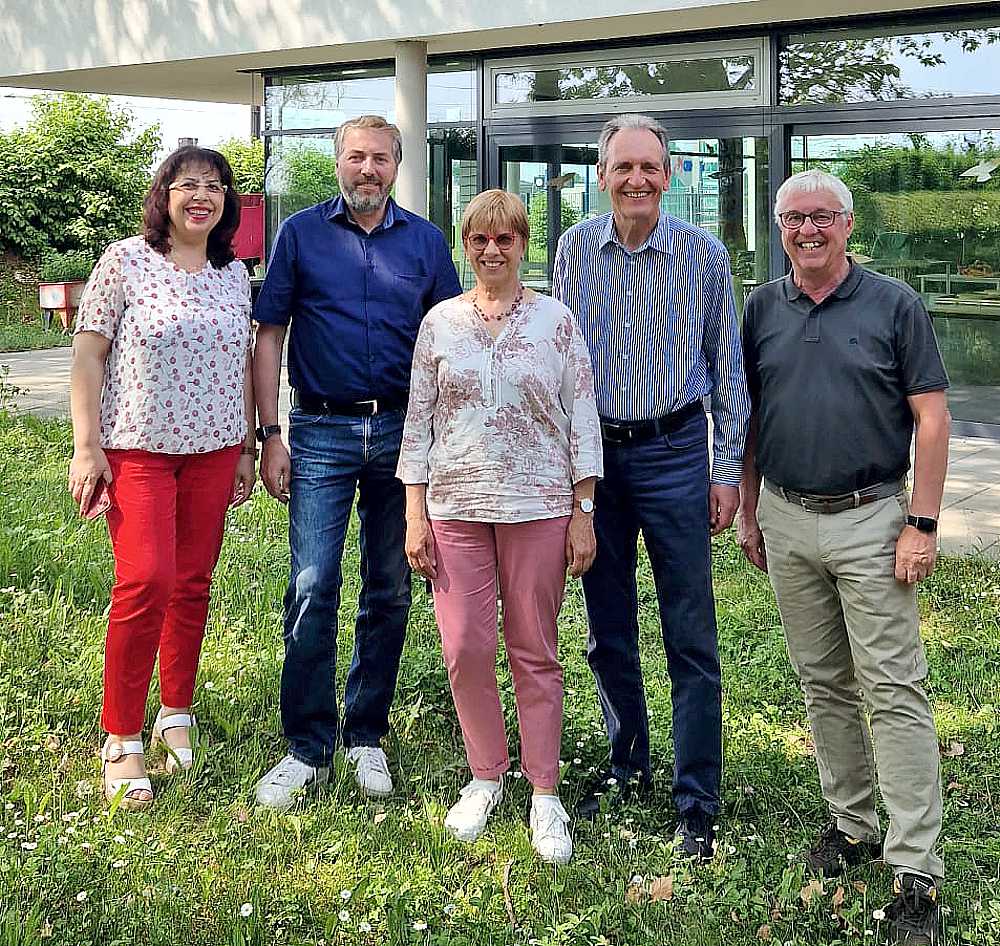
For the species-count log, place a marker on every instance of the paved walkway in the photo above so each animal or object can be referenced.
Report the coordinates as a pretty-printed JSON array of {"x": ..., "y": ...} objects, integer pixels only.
[{"x": 970, "y": 520}]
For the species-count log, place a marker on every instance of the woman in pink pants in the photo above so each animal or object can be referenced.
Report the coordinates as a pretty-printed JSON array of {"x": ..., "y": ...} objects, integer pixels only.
[{"x": 501, "y": 451}]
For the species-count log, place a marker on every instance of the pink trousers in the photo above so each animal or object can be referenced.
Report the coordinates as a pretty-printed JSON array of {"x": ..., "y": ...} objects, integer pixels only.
[{"x": 529, "y": 560}]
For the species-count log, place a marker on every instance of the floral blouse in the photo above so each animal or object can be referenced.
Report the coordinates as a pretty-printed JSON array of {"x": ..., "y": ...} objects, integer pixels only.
[
  {"x": 173, "y": 382},
  {"x": 500, "y": 429}
]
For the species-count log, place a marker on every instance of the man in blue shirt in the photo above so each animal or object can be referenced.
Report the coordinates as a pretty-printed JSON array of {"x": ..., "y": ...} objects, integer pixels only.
[
  {"x": 353, "y": 277},
  {"x": 654, "y": 299}
]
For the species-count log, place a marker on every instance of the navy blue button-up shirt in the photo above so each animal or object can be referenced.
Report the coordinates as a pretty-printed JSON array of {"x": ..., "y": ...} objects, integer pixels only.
[{"x": 354, "y": 300}]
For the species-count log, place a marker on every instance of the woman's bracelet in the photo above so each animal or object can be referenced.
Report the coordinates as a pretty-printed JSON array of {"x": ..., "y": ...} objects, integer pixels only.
[{"x": 249, "y": 452}]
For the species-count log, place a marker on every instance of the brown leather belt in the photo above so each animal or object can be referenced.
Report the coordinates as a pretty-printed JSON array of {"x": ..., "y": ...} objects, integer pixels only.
[{"x": 813, "y": 502}]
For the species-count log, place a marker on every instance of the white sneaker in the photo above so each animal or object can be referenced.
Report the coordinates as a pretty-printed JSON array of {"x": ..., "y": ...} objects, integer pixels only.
[
  {"x": 371, "y": 770},
  {"x": 287, "y": 780},
  {"x": 467, "y": 817},
  {"x": 549, "y": 831}
]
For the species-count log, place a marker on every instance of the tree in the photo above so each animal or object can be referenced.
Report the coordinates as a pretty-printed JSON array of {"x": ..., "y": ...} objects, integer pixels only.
[
  {"x": 246, "y": 158},
  {"x": 302, "y": 176},
  {"x": 74, "y": 177}
]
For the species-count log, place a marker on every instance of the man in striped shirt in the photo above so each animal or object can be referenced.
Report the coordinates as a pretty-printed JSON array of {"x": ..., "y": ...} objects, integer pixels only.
[{"x": 654, "y": 299}]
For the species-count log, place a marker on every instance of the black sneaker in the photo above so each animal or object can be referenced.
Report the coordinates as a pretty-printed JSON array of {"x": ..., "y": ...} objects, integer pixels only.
[
  {"x": 695, "y": 835},
  {"x": 914, "y": 917},
  {"x": 835, "y": 851},
  {"x": 611, "y": 793}
]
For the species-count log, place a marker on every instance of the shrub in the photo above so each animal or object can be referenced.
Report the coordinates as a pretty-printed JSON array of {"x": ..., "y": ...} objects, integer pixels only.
[{"x": 66, "y": 267}]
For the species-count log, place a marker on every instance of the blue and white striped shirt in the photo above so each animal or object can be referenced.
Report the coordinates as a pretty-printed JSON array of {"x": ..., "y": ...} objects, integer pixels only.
[{"x": 661, "y": 326}]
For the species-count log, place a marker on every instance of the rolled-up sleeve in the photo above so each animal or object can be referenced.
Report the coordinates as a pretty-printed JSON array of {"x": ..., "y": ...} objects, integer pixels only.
[
  {"x": 274, "y": 304},
  {"x": 585, "y": 451},
  {"x": 723, "y": 352},
  {"x": 418, "y": 429}
]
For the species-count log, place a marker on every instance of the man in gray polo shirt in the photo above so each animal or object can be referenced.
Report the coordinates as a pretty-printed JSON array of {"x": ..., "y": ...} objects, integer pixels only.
[{"x": 842, "y": 365}]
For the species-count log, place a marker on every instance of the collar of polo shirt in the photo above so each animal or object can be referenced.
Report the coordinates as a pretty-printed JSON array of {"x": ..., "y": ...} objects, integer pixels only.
[{"x": 845, "y": 289}]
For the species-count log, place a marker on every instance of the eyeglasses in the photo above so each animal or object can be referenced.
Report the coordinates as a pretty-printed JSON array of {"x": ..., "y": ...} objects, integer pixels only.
[
  {"x": 821, "y": 219},
  {"x": 479, "y": 241},
  {"x": 191, "y": 187}
]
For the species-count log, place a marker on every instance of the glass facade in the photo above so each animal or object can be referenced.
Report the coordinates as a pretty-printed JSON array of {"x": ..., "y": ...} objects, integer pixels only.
[
  {"x": 927, "y": 211},
  {"x": 743, "y": 112}
]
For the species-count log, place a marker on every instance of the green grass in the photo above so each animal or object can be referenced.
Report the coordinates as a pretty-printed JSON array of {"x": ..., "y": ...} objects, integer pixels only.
[
  {"x": 72, "y": 872},
  {"x": 28, "y": 336}
]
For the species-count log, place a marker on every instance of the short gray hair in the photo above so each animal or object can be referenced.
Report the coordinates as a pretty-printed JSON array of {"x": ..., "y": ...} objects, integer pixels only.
[
  {"x": 811, "y": 182},
  {"x": 632, "y": 120},
  {"x": 375, "y": 122}
]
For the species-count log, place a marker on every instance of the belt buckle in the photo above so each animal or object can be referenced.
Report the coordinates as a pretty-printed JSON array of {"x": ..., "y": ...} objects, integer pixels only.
[
  {"x": 621, "y": 432},
  {"x": 374, "y": 404}
]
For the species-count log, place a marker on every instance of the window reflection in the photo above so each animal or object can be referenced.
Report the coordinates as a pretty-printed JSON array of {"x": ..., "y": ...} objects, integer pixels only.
[
  {"x": 866, "y": 65},
  {"x": 735, "y": 73},
  {"x": 927, "y": 211}
]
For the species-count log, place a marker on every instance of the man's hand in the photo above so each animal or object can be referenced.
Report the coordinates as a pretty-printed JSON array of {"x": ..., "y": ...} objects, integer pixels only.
[
  {"x": 723, "y": 502},
  {"x": 916, "y": 553},
  {"x": 751, "y": 540},
  {"x": 419, "y": 547},
  {"x": 276, "y": 468},
  {"x": 581, "y": 544}
]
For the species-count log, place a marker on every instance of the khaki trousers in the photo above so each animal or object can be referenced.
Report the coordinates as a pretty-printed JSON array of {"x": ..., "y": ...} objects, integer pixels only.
[{"x": 853, "y": 637}]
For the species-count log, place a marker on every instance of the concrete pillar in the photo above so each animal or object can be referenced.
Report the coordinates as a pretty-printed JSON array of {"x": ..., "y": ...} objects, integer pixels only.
[{"x": 411, "y": 117}]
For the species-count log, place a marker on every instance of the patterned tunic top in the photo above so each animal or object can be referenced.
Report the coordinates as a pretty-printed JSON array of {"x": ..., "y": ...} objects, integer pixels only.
[
  {"x": 500, "y": 429},
  {"x": 173, "y": 382}
]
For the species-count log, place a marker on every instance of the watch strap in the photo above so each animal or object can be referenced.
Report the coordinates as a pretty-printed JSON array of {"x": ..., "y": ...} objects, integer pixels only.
[
  {"x": 267, "y": 430},
  {"x": 922, "y": 523}
]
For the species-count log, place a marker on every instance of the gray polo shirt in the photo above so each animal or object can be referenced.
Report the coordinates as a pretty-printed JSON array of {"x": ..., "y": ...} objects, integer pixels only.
[{"x": 829, "y": 382}]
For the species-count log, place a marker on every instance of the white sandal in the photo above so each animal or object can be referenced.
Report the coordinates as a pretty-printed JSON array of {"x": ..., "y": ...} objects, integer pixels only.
[
  {"x": 114, "y": 750},
  {"x": 178, "y": 757}
]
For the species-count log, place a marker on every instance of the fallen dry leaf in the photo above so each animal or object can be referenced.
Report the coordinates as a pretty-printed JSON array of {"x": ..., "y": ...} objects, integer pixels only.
[
  {"x": 662, "y": 888},
  {"x": 860, "y": 886},
  {"x": 380, "y": 817},
  {"x": 838, "y": 899},
  {"x": 954, "y": 750},
  {"x": 764, "y": 933},
  {"x": 242, "y": 816},
  {"x": 814, "y": 886}
]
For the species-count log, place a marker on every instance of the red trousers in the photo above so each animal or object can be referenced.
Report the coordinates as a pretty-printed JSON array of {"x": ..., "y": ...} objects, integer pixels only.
[{"x": 166, "y": 526}]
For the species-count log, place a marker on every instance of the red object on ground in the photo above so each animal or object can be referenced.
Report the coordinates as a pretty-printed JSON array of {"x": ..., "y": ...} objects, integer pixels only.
[{"x": 249, "y": 239}]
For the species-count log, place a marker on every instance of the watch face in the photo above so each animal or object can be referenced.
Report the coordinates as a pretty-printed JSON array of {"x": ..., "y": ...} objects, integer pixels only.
[{"x": 587, "y": 505}]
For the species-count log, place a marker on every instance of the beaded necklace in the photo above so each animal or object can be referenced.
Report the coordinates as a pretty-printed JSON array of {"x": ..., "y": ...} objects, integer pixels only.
[{"x": 500, "y": 316}]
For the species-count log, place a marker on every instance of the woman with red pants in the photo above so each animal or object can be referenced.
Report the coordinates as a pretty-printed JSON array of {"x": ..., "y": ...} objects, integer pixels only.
[
  {"x": 162, "y": 410},
  {"x": 501, "y": 451}
]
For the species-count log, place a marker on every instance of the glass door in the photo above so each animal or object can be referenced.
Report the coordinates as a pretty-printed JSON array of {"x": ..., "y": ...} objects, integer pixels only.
[{"x": 719, "y": 184}]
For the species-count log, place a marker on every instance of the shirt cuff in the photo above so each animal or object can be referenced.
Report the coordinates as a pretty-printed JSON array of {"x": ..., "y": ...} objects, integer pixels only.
[
  {"x": 726, "y": 472},
  {"x": 412, "y": 474}
]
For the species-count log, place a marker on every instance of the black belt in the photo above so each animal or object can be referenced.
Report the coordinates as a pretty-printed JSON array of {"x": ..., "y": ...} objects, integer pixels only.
[
  {"x": 625, "y": 433},
  {"x": 312, "y": 404},
  {"x": 813, "y": 502}
]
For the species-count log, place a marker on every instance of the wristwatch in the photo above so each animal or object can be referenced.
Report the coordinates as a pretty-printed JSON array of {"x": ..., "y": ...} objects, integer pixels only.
[
  {"x": 922, "y": 523},
  {"x": 586, "y": 505},
  {"x": 269, "y": 430}
]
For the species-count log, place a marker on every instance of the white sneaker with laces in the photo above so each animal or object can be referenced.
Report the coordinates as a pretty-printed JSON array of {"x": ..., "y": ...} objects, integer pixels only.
[
  {"x": 371, "y": 770},
  {"x": 467, "y": 818},
  {"x": 549, "y": 829},
  {"x": 287, "y": 780}
]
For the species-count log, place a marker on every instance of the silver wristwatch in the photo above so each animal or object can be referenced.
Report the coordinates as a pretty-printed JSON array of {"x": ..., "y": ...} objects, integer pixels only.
[{"x": 586, "y": 505}]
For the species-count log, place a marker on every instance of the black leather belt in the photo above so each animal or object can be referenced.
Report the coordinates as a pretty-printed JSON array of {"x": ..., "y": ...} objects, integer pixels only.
[
  {"x": 813, "y": 502},
  {"x": 624, "y": 433},
  {"x": 312, "y": 404}
]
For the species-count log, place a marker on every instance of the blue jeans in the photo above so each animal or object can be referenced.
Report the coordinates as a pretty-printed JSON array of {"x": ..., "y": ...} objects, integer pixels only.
[
  {"x": 658, "y": 487},
  {"x": 332, "y": 457}
]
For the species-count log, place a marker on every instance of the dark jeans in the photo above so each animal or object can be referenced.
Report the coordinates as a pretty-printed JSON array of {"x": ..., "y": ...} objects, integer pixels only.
[
  {"x": 332, "y": 457},
  {"x": 658, "y": 487}
]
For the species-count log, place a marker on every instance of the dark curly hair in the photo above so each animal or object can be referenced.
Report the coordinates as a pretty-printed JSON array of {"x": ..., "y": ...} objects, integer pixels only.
[{"x": 156, "y": 216}]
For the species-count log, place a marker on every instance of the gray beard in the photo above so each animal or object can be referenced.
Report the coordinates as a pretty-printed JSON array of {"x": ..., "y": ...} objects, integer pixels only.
[{"x": 364, "y": 203}]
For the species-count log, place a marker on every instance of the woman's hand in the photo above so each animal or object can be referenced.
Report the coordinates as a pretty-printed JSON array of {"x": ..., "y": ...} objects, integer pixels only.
[
  {"x": 419, "y": 546},
  {"x": 88, "y": 466},
  {"x": 246, "y": 475},
  {"x": 581, "y": 543}
]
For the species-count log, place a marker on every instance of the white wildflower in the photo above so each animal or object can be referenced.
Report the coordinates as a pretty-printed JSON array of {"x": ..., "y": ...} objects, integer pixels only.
[
  {"x": 81, "y": 896},
  {"x": 246, "y": 910}
]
